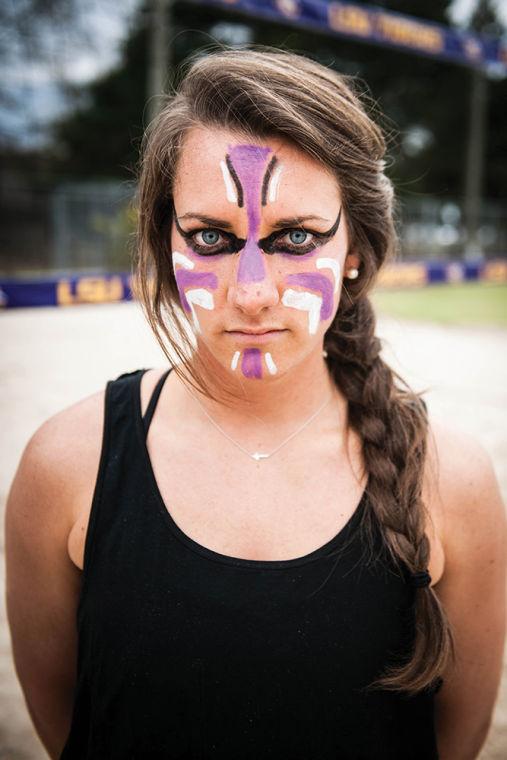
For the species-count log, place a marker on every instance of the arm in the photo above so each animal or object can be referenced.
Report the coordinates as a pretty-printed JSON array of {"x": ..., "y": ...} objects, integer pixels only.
[
  {"x": 472, "y": 591},
  {"x": 42, "y": 582}
]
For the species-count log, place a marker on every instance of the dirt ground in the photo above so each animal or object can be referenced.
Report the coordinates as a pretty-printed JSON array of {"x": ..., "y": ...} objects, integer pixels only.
[{"x": 54, "y": 356}]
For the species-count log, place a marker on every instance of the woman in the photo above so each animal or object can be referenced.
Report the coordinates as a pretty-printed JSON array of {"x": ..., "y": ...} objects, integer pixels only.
[{"x": 270, "y": 551}]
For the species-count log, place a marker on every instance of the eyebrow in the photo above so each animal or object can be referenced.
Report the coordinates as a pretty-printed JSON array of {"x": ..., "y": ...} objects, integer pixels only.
[
  {"x": 292, "y": 221},
  {"x": 211, "y": 220}
]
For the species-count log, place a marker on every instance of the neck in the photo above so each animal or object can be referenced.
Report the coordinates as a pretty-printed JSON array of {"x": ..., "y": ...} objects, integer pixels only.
[{"x": 272, "y": 407}]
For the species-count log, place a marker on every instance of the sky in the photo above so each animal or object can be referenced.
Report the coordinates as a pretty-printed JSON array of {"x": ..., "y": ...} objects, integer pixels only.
[
  {"x": 34, "y": 89},
  {"x": 462, "y": 9}
]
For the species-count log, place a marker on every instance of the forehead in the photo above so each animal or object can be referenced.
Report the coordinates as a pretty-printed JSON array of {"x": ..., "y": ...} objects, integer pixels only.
[{"x": 199, "y": 175}]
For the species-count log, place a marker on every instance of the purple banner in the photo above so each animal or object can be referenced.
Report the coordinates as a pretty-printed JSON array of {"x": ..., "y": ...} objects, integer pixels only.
[
  {"x": 79, "y": 289},
  {"x": 379, "y": 26},
  {"x": 64, "y": 290}
]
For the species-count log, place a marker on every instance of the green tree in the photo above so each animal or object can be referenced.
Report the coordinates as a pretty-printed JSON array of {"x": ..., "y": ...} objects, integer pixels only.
[
  {"x": 485, "y": 20},
  {"x": 100, "y": 137},
  {"x": 425, "y": 101}
]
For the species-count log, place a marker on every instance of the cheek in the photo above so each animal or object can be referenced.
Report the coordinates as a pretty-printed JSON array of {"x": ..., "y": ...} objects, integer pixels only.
[
  {"x": 332, "y": 267},
  {"x": 313, "y": 291},
  {"x": 197, "y": 282}
]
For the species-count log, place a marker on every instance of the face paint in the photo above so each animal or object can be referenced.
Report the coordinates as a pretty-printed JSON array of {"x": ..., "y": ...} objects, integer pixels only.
[
  {"x": 251, "y": 365},
  {"x": 202, "y": 298},
  {"x": 270, "y": 244},
  {"x": 318, "y": 282},
  {"x": 305, "y": 301},
  {"x": 248, "y": 165},
  {"x": 235, "y": 359},
  {"x": 273, "y": 186},
  {"x": 272, "y": 368},
  {"x": 274, "y": 170},
  {"x": 182, "y": 260},
  {"x": 187, "y": 281},
  {"x": 250, "y": 177},
  {"x": 334, "y": 266},
  {"x": 230, "y": 190}
]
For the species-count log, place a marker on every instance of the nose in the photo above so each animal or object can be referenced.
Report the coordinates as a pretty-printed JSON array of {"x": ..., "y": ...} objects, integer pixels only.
[{"x": 252, "y": 297}]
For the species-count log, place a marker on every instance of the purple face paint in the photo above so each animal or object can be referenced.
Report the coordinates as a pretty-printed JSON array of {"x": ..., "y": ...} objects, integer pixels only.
[
  {"x": 186, "y": 279},
  {"x": 199, "y": 258},
  {"x": 319, "y": 283},
  {"x": 251, "y": 364},
  {"x": 249, "y": 163},
  {"x": 300, "y": 256}
]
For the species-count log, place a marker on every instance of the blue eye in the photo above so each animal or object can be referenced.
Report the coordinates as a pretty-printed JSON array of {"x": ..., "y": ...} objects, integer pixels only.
[
  {"x": 210, "y": 237},
  {"x": 298, "y": 237}
]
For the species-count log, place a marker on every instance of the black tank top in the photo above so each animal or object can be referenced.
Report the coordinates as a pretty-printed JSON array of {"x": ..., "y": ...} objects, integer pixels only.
[{"x": 187, "y": 653}]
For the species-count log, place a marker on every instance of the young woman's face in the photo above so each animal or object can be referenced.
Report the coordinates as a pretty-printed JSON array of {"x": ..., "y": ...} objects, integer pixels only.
[{"x": 258, "y": 243}]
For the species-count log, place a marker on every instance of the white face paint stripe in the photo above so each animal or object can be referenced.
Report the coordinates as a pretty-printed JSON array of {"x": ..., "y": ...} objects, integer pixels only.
[
  {"x": 272, "y": 368},
  {"x": 235, "y": 360},
  {"x": 304, "y": 301},
  {"x": 229, "y": 185},
  {"x": 182, "y": 260},
  {"x": 273, "y": 184},
  {"x": 334, "y": 266},
  {"x": 199, "y": 297}
]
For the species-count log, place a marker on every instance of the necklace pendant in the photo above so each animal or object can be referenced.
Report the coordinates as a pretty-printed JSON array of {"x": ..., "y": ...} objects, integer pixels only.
[{"x": 257, "y": 456}]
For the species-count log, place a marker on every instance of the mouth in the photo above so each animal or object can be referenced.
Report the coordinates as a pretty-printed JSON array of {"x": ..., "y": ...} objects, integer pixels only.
[{"x": 256, "y": 337}]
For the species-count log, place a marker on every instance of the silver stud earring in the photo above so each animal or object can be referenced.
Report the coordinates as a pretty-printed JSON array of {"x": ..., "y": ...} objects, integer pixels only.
[
  {"x": 352, "y": 273},
  {"x": 324, "y": 354}
]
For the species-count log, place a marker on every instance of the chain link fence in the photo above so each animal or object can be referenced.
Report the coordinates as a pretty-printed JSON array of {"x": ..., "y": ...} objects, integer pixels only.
[{"x": 89, "y": 227}]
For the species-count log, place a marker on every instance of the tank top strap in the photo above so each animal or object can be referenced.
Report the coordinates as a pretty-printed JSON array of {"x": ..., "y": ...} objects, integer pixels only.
[
  {"x": 119, "y": 449},
  {"x": 152, "y": 404}
]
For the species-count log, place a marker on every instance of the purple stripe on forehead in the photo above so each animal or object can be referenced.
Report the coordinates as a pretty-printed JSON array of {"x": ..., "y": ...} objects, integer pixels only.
[
  {"x": 319, "y": 283},
  {"x": 249, "y": 162},
  {"x": 186, "y": 279},
  {"x": 251, "y": 365}
]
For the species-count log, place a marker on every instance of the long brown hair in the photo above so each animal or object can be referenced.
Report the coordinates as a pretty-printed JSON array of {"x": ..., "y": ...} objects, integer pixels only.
[{"x": 262, "y": 92}]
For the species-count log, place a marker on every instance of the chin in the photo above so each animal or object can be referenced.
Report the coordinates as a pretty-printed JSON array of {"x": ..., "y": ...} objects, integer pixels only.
[{"x": 253, "y": 364}]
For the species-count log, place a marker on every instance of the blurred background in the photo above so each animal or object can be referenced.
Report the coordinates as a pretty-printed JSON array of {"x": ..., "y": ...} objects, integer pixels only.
[{"x": 80, "y": 81}]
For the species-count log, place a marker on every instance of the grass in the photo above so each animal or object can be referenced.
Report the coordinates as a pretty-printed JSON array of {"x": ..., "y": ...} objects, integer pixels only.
[{"x": 468, "y": 303}]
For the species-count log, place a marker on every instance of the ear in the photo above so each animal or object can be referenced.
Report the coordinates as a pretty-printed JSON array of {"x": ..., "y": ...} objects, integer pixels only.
[{"x": 352, "y": 260}]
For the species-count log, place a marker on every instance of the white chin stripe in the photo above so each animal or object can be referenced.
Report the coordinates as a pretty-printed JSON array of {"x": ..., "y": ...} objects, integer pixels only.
[
  {"x": 182, "y": 260},
  {"x": 272, "y": 368},
  {"x": 235, "y": 360},
  {"x": 199, "y": 297},
  {"x": 304, "y": 301},
  {"x": 230, "y": 190},
  {"x": 334, "y": 266}
]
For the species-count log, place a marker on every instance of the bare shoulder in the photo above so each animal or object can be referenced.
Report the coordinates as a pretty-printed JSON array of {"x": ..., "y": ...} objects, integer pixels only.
[
  {"x": 63, "y": 458},
  {"x": 42, "y": 582},
  {"x": 62, "y": 455},
  {"x": 463, "y": 492},
  {"x": 466, "y": 503}
]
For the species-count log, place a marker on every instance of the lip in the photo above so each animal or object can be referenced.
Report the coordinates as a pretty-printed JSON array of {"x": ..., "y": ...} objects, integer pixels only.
[{"x": 257, "y": 337}]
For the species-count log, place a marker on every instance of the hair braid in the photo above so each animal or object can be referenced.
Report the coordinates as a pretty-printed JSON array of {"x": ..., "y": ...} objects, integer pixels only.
[{"x": 392, "y": 424}]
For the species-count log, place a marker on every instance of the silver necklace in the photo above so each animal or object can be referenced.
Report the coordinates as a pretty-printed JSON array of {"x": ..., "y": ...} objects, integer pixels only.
[{"x": 257, "y": 455}]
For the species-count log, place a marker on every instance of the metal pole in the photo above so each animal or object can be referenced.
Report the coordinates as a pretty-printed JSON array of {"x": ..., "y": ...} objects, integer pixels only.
[
  {"x": 475, "y": 162},
  {"x": 159, "y": 58}
]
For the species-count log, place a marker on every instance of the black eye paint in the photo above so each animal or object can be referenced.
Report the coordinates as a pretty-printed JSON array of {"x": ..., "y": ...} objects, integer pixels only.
[
  {"x": 268, "y": 243},
  {"x": 233, "y": 245},
  {"x": 235, "y": 179},
  {"x": 265, "y": 181}
]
